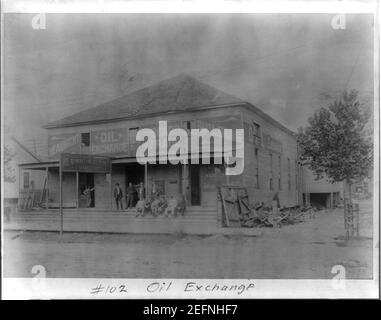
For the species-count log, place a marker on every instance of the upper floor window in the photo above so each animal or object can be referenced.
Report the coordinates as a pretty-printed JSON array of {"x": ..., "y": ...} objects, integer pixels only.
[
  {"x": 85, "y": 139},
  {"x": 132, "y": 135},
  {"x": 257, "y": 133},
  {"x": 289, "y": 173},
  {"x": 256, "y": 178},
  {"x": 271, "y": 163},
  {"x": 257, "y": 129},
  {"x": 256, "y": 168}
]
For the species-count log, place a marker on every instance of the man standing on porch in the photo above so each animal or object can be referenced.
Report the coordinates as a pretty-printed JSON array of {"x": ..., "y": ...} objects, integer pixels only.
[
  {"x": 130, "y": 195},
  {"x": 118, "y": 196}
]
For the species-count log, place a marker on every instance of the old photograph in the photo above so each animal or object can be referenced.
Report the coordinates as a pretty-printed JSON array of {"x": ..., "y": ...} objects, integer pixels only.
[{"x": 190, "y": 146}]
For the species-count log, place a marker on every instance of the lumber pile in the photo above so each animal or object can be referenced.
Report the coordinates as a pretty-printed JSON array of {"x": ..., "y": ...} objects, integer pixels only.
[
  {"x": 234, "y": 202},
  {"x": 237, "y": 211},
  {"x": 264, "y": 216},
  {"x": 29, "y": 199}
]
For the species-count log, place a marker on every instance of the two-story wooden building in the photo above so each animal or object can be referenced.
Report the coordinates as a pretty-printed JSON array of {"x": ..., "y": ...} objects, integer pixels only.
[{"x": 270, "y": 153}]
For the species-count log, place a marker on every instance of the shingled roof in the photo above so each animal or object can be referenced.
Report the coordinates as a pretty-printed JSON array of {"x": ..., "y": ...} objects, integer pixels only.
[{"x": 180, "y": 93}]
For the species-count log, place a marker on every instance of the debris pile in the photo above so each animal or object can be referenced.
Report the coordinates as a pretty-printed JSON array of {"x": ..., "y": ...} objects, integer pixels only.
[
  {"x": 265, "y": 216},
  {"x": 236, "y": 210}
]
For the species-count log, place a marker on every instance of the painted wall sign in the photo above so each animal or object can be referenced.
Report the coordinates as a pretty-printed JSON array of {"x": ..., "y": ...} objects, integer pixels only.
[
  {"x": 109, "y": 141},
  {"x": 85, "y": 163},
  {"x": 65, "y": 142},
  {"x": 118, "y": 141}
]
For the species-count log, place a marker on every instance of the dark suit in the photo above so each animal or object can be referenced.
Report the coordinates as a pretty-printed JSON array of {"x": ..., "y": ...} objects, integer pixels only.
[{"x": 118, "y": 196}]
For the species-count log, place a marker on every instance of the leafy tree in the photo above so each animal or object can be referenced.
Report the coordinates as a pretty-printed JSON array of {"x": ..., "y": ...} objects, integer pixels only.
[{"x": 336, "y": 144}]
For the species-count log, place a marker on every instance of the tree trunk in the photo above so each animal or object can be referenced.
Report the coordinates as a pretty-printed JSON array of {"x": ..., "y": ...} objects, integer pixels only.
[
  {"x": 348, "y": 208},
  {"x": 350, "y": 192},
  {"x": 347, "y": 191}
]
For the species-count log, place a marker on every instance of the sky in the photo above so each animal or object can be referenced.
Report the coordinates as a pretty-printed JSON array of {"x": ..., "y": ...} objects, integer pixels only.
[{"x": 285, "y": 64}]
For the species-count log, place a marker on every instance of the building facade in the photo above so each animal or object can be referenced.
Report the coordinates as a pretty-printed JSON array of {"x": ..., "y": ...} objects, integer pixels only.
[{"x": 270, "y": 149}]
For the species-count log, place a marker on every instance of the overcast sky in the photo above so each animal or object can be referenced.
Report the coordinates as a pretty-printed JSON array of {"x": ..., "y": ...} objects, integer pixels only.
[{"x": 284, "y": 64}]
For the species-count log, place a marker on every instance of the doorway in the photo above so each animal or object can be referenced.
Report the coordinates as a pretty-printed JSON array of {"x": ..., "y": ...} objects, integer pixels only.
[
  {"x": 134, "y": 174},
  {"x": 86, "y": 180},
  {"x": 194, "y": 175}
]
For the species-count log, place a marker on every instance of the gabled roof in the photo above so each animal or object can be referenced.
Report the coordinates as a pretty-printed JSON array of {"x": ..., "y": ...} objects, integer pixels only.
[{"x": 180, "y": 93}]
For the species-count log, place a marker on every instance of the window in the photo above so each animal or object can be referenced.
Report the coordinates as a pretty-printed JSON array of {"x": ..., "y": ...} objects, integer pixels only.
[
  {"x": 26, "y": 180},
  {"x": 279, "y": 172},
  {"x": 256, "y": 178},
  {"x": 296, "y": 175},
  {"x": 187, "y": 125},
  {"x": 289, "y": 173},
  {"x": 257, "y": 130},
  {"x": 132, "y": 136},
  {"x": 271, "y": 172},
  {"x": 257, "y": 133},
  {"x": 271, "y": 162},
  {"x": 85, "y": 139},
  {"x": 256, "y": 168}
]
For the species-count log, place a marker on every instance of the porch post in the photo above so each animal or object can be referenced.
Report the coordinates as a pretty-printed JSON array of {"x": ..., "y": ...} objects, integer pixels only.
[
  {"x": 77, "y": 187},
  {"x": 19, "y": 205},
  {"x": 184, "y": 186},
  {"x": 47, "y": 188},
  {"x": 145, "y": 180},
  {"x": 61, "y": 204},
  {"x": 110, "y": 188}
]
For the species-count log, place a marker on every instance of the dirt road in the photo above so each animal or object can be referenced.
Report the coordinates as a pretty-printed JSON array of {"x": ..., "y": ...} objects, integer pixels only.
[{"x": 305, "y": 250}]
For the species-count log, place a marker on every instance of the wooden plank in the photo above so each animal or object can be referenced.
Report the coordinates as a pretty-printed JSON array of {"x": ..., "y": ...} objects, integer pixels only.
[{"x": 224, "y": 209}]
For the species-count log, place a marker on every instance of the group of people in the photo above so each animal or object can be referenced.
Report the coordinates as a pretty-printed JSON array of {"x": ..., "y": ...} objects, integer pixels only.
[
  {"x": 156, "y": 205},
  {"x": 133, "y": 195},
  {"x": 160, "y": 206}
]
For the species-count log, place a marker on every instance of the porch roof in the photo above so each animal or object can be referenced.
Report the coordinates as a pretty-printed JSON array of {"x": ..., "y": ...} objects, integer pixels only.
[
  {"x": 40, "y": 165},
  {"x": 114, "y": 160}
]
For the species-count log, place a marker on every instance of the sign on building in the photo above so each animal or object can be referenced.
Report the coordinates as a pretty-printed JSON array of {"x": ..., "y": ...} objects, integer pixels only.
[
  {"x": 85, "y": 163},
  {"x": 109, "y": 141},
  {"x": 64, "y": 142}
]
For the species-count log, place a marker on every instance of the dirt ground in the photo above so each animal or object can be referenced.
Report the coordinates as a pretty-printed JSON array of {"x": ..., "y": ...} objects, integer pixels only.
[{"x": 306, "y": 250}]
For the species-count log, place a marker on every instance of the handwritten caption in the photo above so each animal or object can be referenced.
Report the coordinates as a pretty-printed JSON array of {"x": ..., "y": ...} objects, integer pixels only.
[{"x": 163, "y": 287}]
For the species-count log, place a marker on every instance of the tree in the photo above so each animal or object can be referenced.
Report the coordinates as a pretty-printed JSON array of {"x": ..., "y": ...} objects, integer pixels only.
[
  {"x": 9, "y": 170},
  {"x": 335, "y": 144}
]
